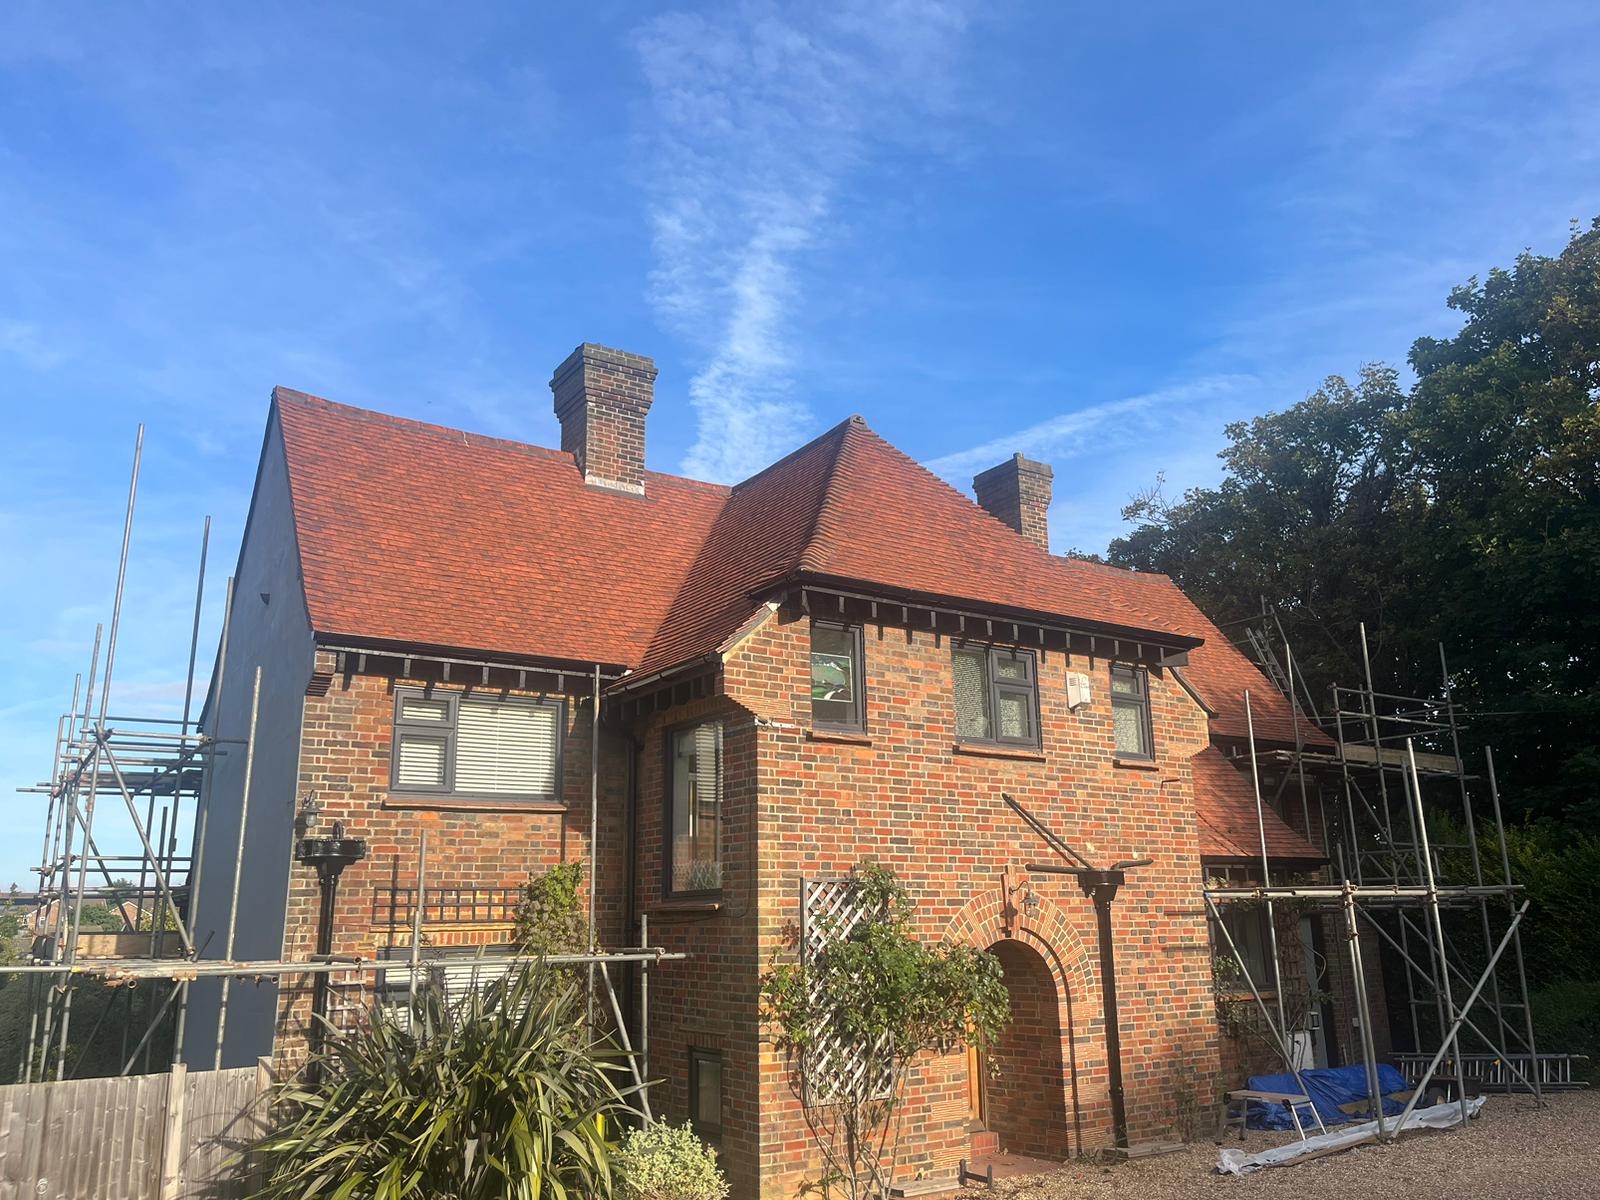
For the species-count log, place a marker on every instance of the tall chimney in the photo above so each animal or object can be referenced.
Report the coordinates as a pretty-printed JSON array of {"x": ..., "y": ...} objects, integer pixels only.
[
  {"x": 1018, "y": 492},
  {"x": 602, "y": 398}
]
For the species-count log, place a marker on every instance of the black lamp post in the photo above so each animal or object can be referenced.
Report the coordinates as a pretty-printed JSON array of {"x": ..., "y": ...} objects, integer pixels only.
[
  {"x": 1101, "y": 887},
  {"x": 330, "y": 856}
]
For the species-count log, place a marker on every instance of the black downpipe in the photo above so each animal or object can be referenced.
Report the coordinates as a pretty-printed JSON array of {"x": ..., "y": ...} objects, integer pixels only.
[{"x": 1101, "y": 887}]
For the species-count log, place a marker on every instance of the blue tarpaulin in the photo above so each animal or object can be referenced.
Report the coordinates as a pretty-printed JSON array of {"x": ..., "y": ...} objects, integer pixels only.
[{"x": 1328, "y": 1087}]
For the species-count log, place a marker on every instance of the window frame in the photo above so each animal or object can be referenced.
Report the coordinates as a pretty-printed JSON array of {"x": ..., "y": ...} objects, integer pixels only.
[
  {"x": 1266, "y": 981},
  {"x": 393, "y": 993},
  {"x": 668, "y": 797},
  {"x": 447, "y": 733},
  {"x": 858, "y": 662},
  {"x": 699, "y": 1055},
  {"x": 997, "y": 687},
  {"x": 1141, "y": 703}
]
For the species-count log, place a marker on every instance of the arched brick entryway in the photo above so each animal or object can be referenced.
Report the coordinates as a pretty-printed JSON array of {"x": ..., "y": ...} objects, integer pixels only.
[
  {"x": 1025, "y": 1102},
  {"x": 1047, "y": 973}
]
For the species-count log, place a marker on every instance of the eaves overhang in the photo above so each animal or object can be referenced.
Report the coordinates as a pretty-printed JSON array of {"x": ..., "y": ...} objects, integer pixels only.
[{"x": 1104, "y": 637}]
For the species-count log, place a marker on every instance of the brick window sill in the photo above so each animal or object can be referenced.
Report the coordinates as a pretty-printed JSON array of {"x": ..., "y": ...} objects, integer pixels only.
[
  {"x": 842, "y": 737},
  {"x": 458, "y": 804},
  {"x": 1135, "y": 764},
  {"x": 1015, "y": 753}
]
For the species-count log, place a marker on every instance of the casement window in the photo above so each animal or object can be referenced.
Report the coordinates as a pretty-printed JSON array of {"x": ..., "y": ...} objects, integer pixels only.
[
  {"x": 1247, "y": 925},
  {"x": 997, "y": 695},
  {"x": 838, "y": 690},
  {"x": 694, "y": 809},
  {"x": 488, "y": 746},
  {"x": 705, "y": 1092},
  {"x": 1130, "y": 712}
]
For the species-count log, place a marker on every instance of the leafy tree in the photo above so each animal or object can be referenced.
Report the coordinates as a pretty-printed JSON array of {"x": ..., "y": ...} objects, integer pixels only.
[
  {"x": 102, "y": 917},
  {"x": 879, "y": 990},
  {"x": 1464, "y": 508},
  {"x": 504, "y": 1094}
]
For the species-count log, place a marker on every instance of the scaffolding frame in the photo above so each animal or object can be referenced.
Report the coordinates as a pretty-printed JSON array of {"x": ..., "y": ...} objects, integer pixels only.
[
  {"x": 1385, "y": 878},
  {"x": 168, "y": 764}
]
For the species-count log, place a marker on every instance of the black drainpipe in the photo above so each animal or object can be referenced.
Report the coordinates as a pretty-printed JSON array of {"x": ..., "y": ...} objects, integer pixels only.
[{"x": 1101, "y": 887}]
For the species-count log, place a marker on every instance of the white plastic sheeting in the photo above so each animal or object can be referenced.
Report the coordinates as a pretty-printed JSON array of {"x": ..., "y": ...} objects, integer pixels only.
[{"x": 1440, "y": 1116}]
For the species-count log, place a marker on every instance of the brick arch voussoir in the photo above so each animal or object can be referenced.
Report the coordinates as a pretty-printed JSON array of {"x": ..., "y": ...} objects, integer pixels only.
[{"x": 1047, "y": 931}]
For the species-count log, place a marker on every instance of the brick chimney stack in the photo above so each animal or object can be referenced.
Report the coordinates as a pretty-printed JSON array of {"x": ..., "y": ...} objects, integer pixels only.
[
  {"x": 1018, "y": 492},
  {"x": 602, "y": 397}
]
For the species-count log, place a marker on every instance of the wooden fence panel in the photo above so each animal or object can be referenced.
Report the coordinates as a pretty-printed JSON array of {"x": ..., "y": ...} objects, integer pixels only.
[
  {"x": 221, "y": 1118},
  {"x": 143, "y": 1137}
]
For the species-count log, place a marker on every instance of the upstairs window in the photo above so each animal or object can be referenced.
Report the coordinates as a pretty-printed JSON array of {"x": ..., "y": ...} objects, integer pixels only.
[
  {"x": 458, "y": 744},
  {"x": 997, "y": 696},
  {"x": 838, "y": 695},
  {"x": 1130, "y": 712},
  {"x": 694, "y": 810}
]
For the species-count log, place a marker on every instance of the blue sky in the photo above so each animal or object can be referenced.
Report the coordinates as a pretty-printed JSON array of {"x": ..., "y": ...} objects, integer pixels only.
[{"x": 1093, "y": 234}]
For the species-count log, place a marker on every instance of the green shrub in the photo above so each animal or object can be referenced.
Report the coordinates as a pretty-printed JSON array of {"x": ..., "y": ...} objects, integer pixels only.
[
  {"x": 668, "y": 1162},
  {"x": 502, "y": 1094},
  {"x": 549, "y": 918},
  {"x": 876, "y": 987},
  {"x": 1566, "y": 1020}
]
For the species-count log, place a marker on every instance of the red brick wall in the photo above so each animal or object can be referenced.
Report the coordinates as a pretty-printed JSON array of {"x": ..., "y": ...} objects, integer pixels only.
[
  {"x": 1025, "y": 1102},
  {"x": 708, "y": 1001},
  {"x": 912, "y": 800},
  {"x": 344, "y": 761},
  {"x": 798, "y": 806}
]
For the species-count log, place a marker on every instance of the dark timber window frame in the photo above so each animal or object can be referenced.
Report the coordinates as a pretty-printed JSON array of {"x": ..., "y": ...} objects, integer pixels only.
[
  {"x": 997, "y": 686},
  {"x": 445, "y": 734},
  {"x": 669, "y": 798},
  {"x": 1138, "y": 701},
  {"x": 1247, "y": 923},
  {"x": 857, "y": 721},
  {"x": 699, "y": 1057}
]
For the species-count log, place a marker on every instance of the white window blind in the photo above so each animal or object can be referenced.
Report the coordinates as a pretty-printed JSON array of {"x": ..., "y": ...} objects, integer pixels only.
[
  {"x": 478, "y": 745},
  {"x": 697, "y": 809},
  {"x": 421, "y": 762},
  {"x": 505, "y": 748}
]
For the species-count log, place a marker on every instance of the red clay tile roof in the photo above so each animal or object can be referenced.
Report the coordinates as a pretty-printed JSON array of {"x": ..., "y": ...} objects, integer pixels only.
[
  {"x": 1219, "y": 670},
  {"x": 849, "y": 506},
  {"x": 1227, "y": 808},
  {"x": 428, "y": 536},
  {"x": 759, "y": 536},
  {"x": 417, "y": 534},
  {"x": 888, "y": 521}
]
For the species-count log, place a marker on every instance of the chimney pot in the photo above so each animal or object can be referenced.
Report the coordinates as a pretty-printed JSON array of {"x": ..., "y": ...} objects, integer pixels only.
[
  {"x": 602, "y": 397},
  {"x": 1018, "y": 493}
]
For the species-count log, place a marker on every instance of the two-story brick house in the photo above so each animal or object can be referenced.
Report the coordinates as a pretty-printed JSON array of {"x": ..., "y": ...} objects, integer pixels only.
[{"x": 841, "y": 657}]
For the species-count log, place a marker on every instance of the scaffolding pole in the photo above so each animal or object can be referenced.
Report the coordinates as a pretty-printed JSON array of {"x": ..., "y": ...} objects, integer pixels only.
[{"x": 1388, "y": 880}]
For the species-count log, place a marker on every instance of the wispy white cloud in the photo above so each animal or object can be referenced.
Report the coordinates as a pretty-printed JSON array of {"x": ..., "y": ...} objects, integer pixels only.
[
  {"x": 759, "y": 118},
  {"x": 27, "y": 342},
  {"x": 1097, "y": 427}
]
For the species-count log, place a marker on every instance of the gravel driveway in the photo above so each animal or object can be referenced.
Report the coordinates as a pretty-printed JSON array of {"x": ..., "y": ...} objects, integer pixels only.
[{"x": 1510, "y": 1151}]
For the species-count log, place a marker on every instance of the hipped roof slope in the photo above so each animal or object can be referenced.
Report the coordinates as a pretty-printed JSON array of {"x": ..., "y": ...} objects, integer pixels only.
[{"x": 413, "y": 533}]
